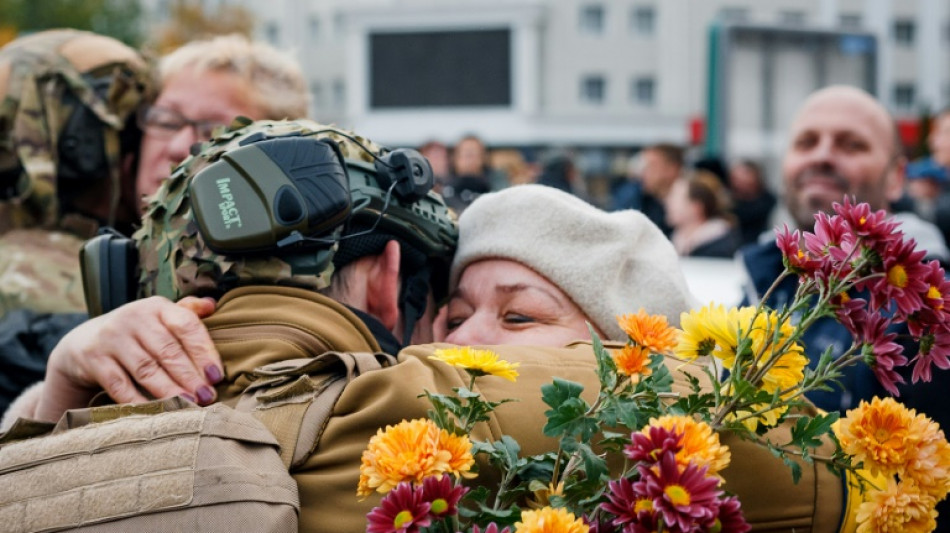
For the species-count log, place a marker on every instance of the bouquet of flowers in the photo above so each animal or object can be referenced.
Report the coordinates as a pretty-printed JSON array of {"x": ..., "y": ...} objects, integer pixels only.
[{"x": 643, "y": 458}]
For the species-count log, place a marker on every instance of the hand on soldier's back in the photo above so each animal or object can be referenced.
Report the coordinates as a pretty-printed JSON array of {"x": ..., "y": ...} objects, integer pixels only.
[{"x": 161, "y": 346}]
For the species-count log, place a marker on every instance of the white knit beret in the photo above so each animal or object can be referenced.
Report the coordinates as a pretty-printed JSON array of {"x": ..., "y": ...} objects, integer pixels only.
[{"x": 609, "y": 264}]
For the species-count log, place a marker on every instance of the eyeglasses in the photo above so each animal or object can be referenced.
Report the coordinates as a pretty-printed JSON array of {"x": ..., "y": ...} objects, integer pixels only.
[{"x": 163, "y": 122}]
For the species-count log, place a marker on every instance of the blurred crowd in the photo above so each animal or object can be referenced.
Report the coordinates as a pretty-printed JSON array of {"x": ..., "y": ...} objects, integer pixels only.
[{"x": 707, "y": 205}]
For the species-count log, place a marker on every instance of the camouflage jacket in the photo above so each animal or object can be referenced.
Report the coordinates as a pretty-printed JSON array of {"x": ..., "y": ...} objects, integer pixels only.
[{"x": 39, "y": 271}]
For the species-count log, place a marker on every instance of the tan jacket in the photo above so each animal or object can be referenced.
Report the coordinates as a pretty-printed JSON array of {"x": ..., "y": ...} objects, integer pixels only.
[{"x": 328, "y": 479}]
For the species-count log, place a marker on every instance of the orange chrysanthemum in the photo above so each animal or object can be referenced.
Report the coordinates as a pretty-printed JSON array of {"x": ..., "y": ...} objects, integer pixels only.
[
  {"x": 900, "y": 507},
  {"x": 881, "y": 434},
  {"x": 700, "y": 443},
  {"x": 652, "y": 332},
  {"x": 928, "y": 464},
  {"x": 410, "y": 451},
  {"x": 632, "y": 360},
  {"x": 550, "y": 520}
]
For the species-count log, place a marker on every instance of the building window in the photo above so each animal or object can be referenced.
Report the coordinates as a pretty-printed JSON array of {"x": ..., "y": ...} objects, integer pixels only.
[
  {"x": 592, "y": 19},
  {"x": 339, "y": 24},
  {"x": 792, "y": 18},
  {"x": 339, "y": 96},
  {"x": 643, "y": 20},
  {"x": 904, "y": 31},
  {"x": 593, "y": 89},
  {"x": 734, "y": 14},
  {"x": 904, "y": 95},
  {"x": 643, "y": 91},
  {"x": 849, "y": 21},
  {"x": 313, "y": 29},
  {"x": 272, "y": 33}
]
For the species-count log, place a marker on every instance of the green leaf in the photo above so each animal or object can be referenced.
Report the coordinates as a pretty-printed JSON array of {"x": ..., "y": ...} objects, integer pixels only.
[
  {"x": 606, "y": 369},
  {"x": 661, "y": 380},
  {"x": 795, "y": 468},
  {"x": 560, "y": 391},
  {"x": 566, "y": 419},
  {"x": 808, "y": 431}
]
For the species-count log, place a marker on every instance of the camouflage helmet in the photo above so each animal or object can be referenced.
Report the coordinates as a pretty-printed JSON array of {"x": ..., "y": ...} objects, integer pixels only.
[
  {"x": 176, "y": 260},
  {"x": 68, "y": 100}
]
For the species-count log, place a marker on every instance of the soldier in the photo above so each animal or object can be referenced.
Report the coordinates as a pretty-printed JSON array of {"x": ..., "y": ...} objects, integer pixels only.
[{"x": 67, "y": 150}]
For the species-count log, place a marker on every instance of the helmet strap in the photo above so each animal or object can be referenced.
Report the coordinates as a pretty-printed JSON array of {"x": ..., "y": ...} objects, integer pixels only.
[{"x": 413, "y": 299}]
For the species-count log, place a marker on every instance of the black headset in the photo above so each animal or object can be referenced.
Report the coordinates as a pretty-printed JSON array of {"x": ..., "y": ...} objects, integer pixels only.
[{"x": 289, "y": 196}]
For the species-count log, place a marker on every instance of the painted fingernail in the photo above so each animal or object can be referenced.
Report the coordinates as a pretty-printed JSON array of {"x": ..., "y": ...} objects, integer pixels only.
[
  {"x": 188, "y": 397},
  {"x": 205, "y": 395},
  {"x": 213, "y": 373}
]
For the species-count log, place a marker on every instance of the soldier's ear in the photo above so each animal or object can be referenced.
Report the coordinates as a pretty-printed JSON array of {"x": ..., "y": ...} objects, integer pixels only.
[{"x": 382, "y": 295}]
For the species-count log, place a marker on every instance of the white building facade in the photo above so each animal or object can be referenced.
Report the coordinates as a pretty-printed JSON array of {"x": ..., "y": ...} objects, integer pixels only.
[{"x": 592, "y": 73}]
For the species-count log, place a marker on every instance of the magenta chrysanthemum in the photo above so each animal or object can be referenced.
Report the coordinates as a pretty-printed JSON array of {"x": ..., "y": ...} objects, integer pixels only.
[
  {"x": 796, "y": 258},
  {"x": 649, "y": 448},
  {"x": 903, "y": 280},
  {"x": 682, "y": 500},
  {"x": 730, "y": 517},
  {"x": 625, "y": 504},
  {"x": 934, "y": 351},
  {"x": 830, "y": 233},
  {"x": 403, "y": 510},
  {"x": 852, "y": 313},
  {"x": 875, "y": 227},
  {"x": 883, "y": 354},
  {"x": 443, "y": 495}
]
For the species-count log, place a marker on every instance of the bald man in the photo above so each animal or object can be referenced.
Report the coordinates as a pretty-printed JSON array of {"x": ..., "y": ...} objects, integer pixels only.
[{"x": 842, "y": 141}]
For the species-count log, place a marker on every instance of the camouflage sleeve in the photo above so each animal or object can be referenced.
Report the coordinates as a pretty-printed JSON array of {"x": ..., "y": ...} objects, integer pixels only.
[{"x": 39, "y": 271}]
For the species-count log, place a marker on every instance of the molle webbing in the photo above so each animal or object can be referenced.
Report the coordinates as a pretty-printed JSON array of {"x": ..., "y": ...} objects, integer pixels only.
[{"x": 144, "y": 468}]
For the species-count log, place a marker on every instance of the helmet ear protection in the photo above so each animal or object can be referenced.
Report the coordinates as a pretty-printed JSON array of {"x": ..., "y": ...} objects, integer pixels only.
[
  {"x": 289, "y": 196},
  {"x": 255, "y": 196},
  {"x": 109, "y": 264}
]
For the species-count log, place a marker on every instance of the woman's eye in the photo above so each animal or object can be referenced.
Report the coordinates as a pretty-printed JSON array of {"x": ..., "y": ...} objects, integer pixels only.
[
  {"x": 516, "y": 318},
  {"x": 453, "y": 323}
]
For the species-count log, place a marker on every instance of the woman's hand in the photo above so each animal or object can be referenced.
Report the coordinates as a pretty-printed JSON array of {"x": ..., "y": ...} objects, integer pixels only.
[{"x": 151, "y": 345}]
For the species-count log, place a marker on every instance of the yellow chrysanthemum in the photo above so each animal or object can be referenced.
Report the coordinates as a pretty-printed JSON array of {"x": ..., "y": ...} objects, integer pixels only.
[
  {"x": 763, "y": 415},
  {"x": 550, "y": 520},
  {"x": 652, "y": 332},
  {"x": 728, "y": 326},
  {"x": 881, "y": 434},
  {"x": 632, "y": 360},
  {"x": 477, "y": 362},
  {"x": 542, "y": 497},
  {"x": 700, "y": 443},
  {"x": 900, "y": 507},
  {"x": 785, "y": 373},
  {"x": 696, "y": 337},
  {"x": 411, "y": 451}
]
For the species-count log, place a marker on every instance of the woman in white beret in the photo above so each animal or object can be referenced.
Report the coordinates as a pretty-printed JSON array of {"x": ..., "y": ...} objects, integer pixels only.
[{"x": 535, "y": 264}]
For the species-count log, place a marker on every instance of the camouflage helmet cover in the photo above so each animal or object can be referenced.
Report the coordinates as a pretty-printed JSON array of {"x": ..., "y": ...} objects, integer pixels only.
[
  {"x": 176, "y": 262},
  {"x": 37, "y": 72}
]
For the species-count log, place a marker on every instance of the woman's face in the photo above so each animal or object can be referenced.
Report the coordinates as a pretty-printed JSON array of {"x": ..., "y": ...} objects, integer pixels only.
[{"x": 499, "y": 301}]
